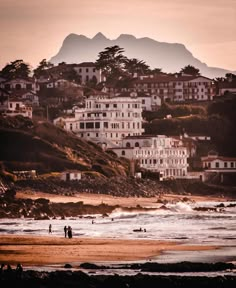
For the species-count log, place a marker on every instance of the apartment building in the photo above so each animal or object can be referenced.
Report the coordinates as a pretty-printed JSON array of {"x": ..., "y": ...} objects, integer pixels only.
[
  {"x": 105, "y": 120},
  {"x": 177, "y": 88},
  {"x": 160, "y": 153}
]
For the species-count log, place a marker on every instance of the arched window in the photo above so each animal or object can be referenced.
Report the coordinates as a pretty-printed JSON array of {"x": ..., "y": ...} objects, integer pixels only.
[
  {"x": 122, "y": 152},
  {"x": 136, "y": 144},
  {"x": 128, "y": 145}
]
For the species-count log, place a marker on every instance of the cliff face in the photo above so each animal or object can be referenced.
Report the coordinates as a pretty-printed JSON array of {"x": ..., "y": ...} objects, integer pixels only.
[
  {"x": 41, "y": 146},
  {"x": 171, "y": 57}
]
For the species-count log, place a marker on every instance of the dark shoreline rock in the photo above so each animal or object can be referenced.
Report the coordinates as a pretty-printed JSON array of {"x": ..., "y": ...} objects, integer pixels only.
[
  {"x": 180, "y": 267},
  {"x": 71, "y": 279}
]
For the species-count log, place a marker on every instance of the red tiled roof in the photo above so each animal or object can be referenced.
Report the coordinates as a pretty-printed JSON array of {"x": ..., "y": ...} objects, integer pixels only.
[
  {"x": 222, "y": 158},
  {"x": 165, "y": 79},
  {"x": 85, "y": 64}
]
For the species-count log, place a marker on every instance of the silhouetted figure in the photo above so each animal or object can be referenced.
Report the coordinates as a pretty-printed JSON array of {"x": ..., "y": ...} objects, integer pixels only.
[
  {"x": 50, "y": 229},
  {"x": 9, "y": 271},
  {"x": 19, "y": 270},
  {"x": 69, "y": 232},
  {"x": 65, "y": 230},
  {"x": 1, "y": 270}
]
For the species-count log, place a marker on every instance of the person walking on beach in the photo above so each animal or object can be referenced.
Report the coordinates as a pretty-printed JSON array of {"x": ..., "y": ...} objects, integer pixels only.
[
  {"x": 65, "y": 230},
  {"x": 50, "y": 229},
  {"x": 69, "y": 232}
]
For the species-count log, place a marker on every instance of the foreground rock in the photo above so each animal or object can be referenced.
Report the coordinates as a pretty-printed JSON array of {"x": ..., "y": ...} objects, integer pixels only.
[{"x": 80, "y": 279}]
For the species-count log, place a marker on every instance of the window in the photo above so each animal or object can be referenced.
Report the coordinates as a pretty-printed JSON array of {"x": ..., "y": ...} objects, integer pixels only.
[
  {"x": 81, "y": 125},
  {"x": 29, "y": 86},
  {"x": 114, "y": 105},
  {"x": 89, "y": 125},
  {"x": 105, "y": 124},
  {"x": 232, "y": 164},
  {"x": 128, "y": 145},
  {"x": 94, "y": 70},
  {"x": 104, "y": 114},
  {"x": 122, "y": 152},
  {"x": 217, "y": 165},
  {"x": 97, "y": 125},
  {"x": 225, "y": 165},
  {"x": 136, "y": 144},
  {"x": 87, "y": 70},
  {"x": 96, "y": 134},
  {"x": 18, "y": 86},
  {"x": 107, "y": 105}
]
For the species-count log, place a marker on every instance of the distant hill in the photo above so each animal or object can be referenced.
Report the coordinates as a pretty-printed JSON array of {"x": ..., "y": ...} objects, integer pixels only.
[
  {"x": 41, "y": 146},
  {"x": 171, "y": 57}
]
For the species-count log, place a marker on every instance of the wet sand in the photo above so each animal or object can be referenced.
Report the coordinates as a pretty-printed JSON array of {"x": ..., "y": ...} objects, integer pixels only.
[{"x": 49, "y": 250}]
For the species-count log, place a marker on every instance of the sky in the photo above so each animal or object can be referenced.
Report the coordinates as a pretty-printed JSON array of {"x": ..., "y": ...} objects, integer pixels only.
[{"x": 33, "y": 30}]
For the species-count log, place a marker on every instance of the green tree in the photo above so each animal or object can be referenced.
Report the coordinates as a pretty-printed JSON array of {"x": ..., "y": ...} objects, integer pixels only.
[
  {"x": 41, "y": 70},
  {"x": 191, "y": 70},
  {"x": 134, "y": 65},
  {"x": 16, "y": 69},
  {"x": 111, "y": 61}
]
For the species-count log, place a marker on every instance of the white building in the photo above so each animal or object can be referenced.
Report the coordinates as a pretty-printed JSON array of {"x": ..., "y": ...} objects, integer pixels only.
[
  {"x": 159, "y": 153},
  {"x": 149, "y": 102},
  {"x": 61, "y": 83},
  {"x": 106, "y": 120},
  {"x": 20, "y": 84},
  {"x": 18, "y": 107},
  {"x": 181, "y": 88},
  {"x": 215, "y": 162},
  {"x": 71, "y": 175},
  {"x": 87, "y": 72}
]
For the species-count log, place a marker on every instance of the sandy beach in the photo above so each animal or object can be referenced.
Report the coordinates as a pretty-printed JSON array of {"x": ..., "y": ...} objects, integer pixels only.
[
  {"x": 46, "y": 250},
  {"x": 96, "y": 199}
]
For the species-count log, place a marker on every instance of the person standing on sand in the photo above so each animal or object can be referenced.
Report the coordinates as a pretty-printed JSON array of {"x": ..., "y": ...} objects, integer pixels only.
[
  {"x": 69, "y": 232},
  {"x": 50, "y": 229},
  {"x": 65, "y": 230}
]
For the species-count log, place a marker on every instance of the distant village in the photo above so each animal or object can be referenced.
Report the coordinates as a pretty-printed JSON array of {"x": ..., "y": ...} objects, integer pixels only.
[{"x": 105, "y": 104}]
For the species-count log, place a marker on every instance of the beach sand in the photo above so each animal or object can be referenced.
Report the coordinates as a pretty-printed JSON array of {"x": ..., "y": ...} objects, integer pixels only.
[
  {"x": 96, "y": 199},
  {"x": 49, "y": 250}
]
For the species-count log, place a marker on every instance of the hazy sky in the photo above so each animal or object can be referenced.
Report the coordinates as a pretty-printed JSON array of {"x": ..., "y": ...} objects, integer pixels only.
[{"x": 32, "y": 30}]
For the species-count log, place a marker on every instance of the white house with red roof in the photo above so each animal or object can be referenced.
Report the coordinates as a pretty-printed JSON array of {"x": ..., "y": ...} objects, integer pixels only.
[
  {"x": 17, "y": 84},
  {"x": 88, "y": 72},
  {"x": 177, "y": 88},
  {"x": 219, "y": 163}
]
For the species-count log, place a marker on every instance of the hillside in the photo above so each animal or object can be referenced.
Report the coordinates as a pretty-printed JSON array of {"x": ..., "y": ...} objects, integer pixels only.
[
  {"x": 41, "y": 146},
  {"x": 170, "y": 57}
]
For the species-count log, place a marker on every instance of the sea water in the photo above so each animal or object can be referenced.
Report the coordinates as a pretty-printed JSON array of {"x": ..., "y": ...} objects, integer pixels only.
[{"x": 178, "y": 222}]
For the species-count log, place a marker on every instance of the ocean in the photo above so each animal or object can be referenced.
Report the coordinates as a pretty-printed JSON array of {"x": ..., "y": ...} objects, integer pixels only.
[{"x": 177, "y": 222}]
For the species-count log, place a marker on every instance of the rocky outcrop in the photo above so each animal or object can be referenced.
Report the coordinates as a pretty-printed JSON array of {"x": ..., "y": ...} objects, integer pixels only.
[{"x": 30, "y": 278}]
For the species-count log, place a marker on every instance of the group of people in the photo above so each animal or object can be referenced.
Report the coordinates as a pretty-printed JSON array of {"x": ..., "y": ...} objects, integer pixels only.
[{"x": 68, "y": 231}]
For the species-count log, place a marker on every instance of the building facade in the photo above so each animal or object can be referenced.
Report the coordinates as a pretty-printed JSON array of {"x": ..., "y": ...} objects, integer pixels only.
[
  {"x": 88, "y": 72},
  {"x": 105, "y": 120},
  {"x": 177, "y": 89},
  {"x": 161, "y": 154}
]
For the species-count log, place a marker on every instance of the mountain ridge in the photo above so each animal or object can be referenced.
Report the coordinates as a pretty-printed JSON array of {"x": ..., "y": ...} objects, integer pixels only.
[{"x": 170, "y": 57}]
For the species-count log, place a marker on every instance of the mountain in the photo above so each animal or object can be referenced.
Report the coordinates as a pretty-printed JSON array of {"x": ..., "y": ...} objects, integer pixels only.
[{"x": 171, "y": 57}]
